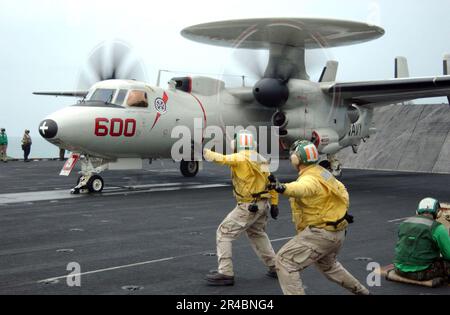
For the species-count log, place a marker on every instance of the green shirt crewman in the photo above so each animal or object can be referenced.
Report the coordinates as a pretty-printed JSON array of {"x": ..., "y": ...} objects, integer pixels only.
[
  {"x": 422, "y": 241},
  {"x": 3, "y": 145}
]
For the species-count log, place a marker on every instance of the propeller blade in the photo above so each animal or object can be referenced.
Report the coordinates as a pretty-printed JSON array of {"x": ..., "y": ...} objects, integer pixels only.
[
  {"x": 253, "y": 62},
  {"x": 110, "y": 61}
]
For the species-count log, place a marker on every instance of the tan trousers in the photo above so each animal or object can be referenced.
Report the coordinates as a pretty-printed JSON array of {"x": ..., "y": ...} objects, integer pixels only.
[
  {"x": 254, "y": 224},
  {"x": 3, "y": 155},
  {"x": 319, "y": 247}
]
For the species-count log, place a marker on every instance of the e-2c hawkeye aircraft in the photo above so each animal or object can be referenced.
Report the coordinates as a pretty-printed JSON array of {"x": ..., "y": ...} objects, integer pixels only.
[{"x": 119, "y": 122}]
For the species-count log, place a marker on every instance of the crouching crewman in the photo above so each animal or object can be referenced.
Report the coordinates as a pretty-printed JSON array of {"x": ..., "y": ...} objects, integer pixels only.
[{"x": 421, "y": 242}]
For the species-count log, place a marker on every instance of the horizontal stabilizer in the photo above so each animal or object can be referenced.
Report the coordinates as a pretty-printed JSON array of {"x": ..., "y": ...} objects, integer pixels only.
[
  {"x": 401, "y": 68},
  {"x": 329, "y": 73},
  {"x": 80, "y": 94}
]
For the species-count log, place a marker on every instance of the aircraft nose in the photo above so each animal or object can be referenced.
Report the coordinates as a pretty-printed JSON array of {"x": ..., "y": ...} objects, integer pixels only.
[{"x": 48, "y": 128}]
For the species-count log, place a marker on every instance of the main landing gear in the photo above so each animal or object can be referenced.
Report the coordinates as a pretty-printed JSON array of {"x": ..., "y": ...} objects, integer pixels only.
[{"x": 189, "y": 168}]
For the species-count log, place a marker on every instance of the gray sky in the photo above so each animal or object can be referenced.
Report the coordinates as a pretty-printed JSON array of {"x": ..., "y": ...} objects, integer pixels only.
[{"x": 44, "y": 43}]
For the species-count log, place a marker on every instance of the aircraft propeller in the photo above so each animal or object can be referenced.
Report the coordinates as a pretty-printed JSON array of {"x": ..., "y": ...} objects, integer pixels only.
[
  {"x": 109, "y": 61},
  {"x": 274, "y": 73}
]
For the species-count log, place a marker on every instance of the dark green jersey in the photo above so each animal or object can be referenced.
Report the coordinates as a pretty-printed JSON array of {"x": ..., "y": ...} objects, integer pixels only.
[
  {"x": 3, "y": 139},
  {"x": 422, "y": 240}
]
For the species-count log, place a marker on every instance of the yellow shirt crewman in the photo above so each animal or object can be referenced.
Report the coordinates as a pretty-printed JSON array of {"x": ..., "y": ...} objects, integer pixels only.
[
  {"x": 319, "y": 205},
  {"x": 250, "y": 181}
]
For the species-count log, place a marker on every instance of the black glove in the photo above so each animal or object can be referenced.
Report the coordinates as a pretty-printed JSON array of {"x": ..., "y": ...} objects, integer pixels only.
[
  {"x": 280, "y": 188},
  {"x": 274, "y": 211},
  {"x": 272, "y": 182},
  {"x": 272, "y": 178}
]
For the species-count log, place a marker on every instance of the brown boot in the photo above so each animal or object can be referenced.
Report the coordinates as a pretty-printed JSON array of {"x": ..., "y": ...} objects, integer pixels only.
[{"x": 218, "y": 279}]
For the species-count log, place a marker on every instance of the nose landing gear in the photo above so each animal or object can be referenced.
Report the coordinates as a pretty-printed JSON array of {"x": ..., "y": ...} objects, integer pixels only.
[{"x": 90, "y": 181}]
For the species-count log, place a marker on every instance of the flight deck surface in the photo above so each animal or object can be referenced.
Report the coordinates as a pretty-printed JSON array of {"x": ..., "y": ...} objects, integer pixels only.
[{"x": 153, "y": 231}]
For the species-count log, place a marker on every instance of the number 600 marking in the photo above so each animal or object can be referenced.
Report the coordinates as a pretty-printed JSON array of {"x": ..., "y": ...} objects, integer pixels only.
[{"x": 115, "y": 128}]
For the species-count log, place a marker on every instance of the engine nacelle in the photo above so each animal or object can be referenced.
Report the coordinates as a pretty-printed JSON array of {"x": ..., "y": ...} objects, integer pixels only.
[
  {"x": 271, "y": 92},
  {"x": 326, "y": 140},
  {"x": 198, "y": 84}
]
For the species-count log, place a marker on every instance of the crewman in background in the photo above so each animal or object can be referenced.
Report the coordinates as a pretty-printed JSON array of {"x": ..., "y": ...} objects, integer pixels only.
[
  {"x": 319, "y": 207},
  {"x": 421, "y": 242},
  {"x": 249, "y": 172},
  {"x": 26, "y": 145},
  {"x": 3, "y": 145}
]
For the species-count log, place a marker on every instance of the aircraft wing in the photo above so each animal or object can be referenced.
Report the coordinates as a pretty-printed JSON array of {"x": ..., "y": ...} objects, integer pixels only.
[
  {"x": 380, "y": 93},
  {"x": 245, "y": 94},
  {"x": 80, "y": 94}
]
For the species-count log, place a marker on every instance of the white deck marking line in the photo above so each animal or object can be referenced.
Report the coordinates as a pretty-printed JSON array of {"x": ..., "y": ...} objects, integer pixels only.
[
  {"x": 136, "y": 264},
  {"x": 159, "y": 185},
  {"x": 11, "y": 198},
  {"x": 396, "y": 220},
  {"x": 282, "y": 239},
  {"x": 108, "y": 269},
  {"x": 130, "y": 192}
]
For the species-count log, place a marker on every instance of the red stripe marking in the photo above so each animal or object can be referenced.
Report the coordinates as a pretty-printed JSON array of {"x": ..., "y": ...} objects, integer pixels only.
[
  {"x": 203, "y": 110},
  {"x": 158, "y": 115},
  {"x": 165, "y": 99}
]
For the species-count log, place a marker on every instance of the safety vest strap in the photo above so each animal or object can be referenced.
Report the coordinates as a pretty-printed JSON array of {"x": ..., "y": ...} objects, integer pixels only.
[{"x": 347, "y": 217}]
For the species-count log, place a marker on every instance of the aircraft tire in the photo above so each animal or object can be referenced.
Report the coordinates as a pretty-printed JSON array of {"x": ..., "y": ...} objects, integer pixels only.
[
  {"x": 95, "y": 184},
  {"x": 189, "y": 168}
]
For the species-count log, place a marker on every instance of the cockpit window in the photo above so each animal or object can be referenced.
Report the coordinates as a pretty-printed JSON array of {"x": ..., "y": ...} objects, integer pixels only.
[
  {"x": 103, "y": 95},
  {"x": 137, "y": 98},
  {"x": 121, "y": 97}
]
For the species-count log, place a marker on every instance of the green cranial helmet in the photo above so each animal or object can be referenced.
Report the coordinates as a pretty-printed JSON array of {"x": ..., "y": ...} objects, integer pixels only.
[
  {"x": 244, "y": 140},
  {"x": 429, "y": 205},
  {"x": 306, "y": 152}
]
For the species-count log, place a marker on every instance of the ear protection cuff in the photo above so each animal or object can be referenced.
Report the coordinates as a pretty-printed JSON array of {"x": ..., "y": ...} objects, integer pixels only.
[
  {"x": 295, "y": 160},
  {"x": 233, "y": 145}
]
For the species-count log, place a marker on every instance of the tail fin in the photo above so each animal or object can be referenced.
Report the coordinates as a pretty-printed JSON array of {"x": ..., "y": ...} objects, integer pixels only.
[
  {"x": 329, "y": 73},
  {"x": 447, "y": 70},
  {"x": 401, "y": 68},
  {"x": 447, "y": 64}
]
